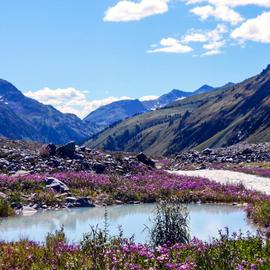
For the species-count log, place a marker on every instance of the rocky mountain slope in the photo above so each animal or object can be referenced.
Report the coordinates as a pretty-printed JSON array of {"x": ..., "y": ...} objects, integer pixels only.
[
  {"x": 24, "y": 118},
  {"x": 24, "y": 157},
  {"x": 223, "y": 117}
]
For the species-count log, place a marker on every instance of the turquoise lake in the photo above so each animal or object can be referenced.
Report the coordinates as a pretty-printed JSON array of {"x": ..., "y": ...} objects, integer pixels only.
[{"x": 204, "y": 221}]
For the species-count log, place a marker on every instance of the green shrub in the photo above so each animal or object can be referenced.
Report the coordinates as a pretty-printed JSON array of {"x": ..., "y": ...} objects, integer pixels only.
[
  {"x": 53, "y": 239},
  {"x": 170, "y": 224},
  {"x": 5, "y": 209},
  {"x": 260, "y": 213}
]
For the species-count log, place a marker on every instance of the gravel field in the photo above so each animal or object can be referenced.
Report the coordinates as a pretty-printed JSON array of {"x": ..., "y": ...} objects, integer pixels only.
[{"x": 258, "y": 183}]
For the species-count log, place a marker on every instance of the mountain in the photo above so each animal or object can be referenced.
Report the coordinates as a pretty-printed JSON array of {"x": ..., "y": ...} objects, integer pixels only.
[
  {"x": 114, "y": 112},
  {"x": 222, "y": 117},
  {"x": 117, "y": 111},
  {"x": 166, "y": 99},
  {"x": 204, "y": 89},
  {"x": 25, "y": 118}
]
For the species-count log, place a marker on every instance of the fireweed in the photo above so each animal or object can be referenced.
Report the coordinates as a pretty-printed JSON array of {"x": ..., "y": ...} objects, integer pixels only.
[
  {"x": 226, "y": 252},
  {"x": 146, "y": 186},
  {"x": 98, "y": 253}
]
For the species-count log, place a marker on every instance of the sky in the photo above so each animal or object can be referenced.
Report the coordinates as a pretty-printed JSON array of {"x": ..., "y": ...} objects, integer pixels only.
[{"x": 79, "y": 55}]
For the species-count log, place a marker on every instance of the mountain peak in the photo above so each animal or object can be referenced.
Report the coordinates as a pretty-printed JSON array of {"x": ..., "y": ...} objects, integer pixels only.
[
  {"x": 9, "y": 92},
  {"x": 7, "y": 87},
  {"x": 176, "y": 92},
  {"x": 203, "y": 89},
  {"x": 266, "y": 70}
]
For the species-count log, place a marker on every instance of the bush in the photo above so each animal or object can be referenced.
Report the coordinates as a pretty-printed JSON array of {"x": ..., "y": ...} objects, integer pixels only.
[
  {"x": 53, "y": 239},
  {"x": 5, "y": 209},
  {"x": 260, "y": 213},
  {"x": 170, "y": 224}
]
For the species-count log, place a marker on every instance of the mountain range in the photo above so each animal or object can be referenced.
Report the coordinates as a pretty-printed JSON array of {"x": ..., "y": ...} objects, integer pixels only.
[
  {"x": 220, "y": 117},
  {"x": 116, "y": 111},
  {"x": 24, "y": 118}
]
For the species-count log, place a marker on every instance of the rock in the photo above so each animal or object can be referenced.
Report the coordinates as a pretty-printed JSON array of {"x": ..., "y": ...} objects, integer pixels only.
[
  {"x": 85, "y": 165},
  {"x": 28, "y": 211},
  {"x": 56, "y": 185},
  {"x": 71, "y": 199},
  {"x": 99, "y": 168},
  {"x": 145, "y": 160},
  {"x": 67, "y": 150},
  {"x": 4, "y": 162},
  {"x": 84, "y": 202},
  {"x": 202, "y": 167},
  {"x": 54, "y": 163},
  {"x": 21, "y": 173},
  {"x": 118, "y": 202},
  {"x": 78, "y": 156},
  {"x": 35, "y": 206},
  {"x": 134, "y": 202},
  {"x": 207, "y": 151},
  {"x": 3, "y": 196},
  {"x": 82, "y": 148},
  {"x": 48, "y": 150},
  {"x": 247, "y": 151}
]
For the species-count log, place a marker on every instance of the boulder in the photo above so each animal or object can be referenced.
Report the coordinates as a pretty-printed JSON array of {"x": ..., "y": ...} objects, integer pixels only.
[
  {"x": 207, "y": 151},
  {"x": 48, "y": 150},
  {"x": 28, "y": 211},
  {"x": 3, "y": 196},
  {"x": 247, "y": 151},
  {"x": 71, "y": 199},
  {"x": 56, "y": 185},
  {"x": 22, "y": 173},
  {"x": 99, "y": 168},
  {"x": 145, "y": 160},
  {"x": 67, "y": 150},
  {"x": 84, "y": 202}
]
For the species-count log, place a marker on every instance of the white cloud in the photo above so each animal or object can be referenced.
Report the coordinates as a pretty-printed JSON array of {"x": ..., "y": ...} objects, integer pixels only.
[
  {"x": 70, "y": 100},
  {"x": 257, "y": 29},
  {"x": 220, "y": 12},
  {"x": 171, "y": 45},
  {"x": 194, "y": 36},
  {"x": 232, "y": 3},
  {"x": 213, "y": 40},
  {"x": 126, "y": 10},
  {"x": 146, "y": 98},
  {"x": 215, "y": 45},
  {"x": 211, "y": 52}
]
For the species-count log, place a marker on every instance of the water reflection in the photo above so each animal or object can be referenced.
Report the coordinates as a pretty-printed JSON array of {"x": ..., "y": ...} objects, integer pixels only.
[{"x": 205, "y": 221}]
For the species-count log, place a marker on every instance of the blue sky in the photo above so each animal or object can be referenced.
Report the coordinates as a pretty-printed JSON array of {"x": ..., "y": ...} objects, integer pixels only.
[{"x": 78, "y": 55}]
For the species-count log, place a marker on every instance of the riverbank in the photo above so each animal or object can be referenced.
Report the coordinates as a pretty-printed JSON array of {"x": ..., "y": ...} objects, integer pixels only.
[{"x": 90, "y": 189}]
